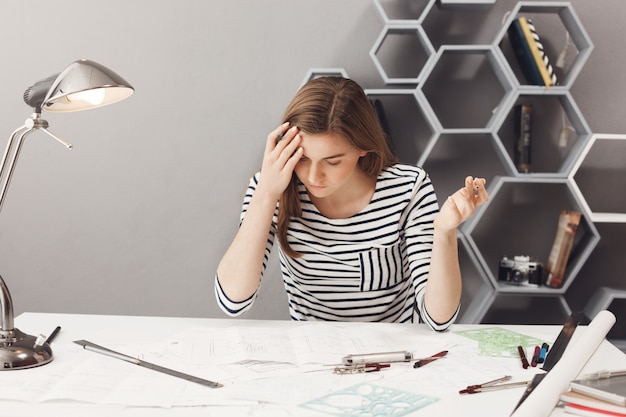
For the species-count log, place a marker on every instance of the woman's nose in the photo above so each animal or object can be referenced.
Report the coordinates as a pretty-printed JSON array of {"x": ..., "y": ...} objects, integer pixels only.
[{"x": 315, "y": 174}]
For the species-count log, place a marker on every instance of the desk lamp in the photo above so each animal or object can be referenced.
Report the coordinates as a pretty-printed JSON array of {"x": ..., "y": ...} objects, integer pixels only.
[{"x": 82, "y": 85}]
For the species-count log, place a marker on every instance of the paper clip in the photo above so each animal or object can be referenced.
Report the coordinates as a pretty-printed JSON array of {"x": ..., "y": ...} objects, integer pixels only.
[
  {"x": 492, "y": 385},
  {"x": 360, "y": 368}
]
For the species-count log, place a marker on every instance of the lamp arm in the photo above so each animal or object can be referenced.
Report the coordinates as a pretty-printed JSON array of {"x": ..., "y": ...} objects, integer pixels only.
[
  {"x": 7, "y": 166},
  {"x": 11, "y": 154},
  {"x": 7, "y": 307},
  {"x": 58, "y": 139},
  {"x": 19, "y": 135}
]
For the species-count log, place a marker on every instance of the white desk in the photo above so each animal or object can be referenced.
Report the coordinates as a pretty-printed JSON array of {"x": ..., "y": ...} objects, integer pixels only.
[{"x": 112, "y": 331}]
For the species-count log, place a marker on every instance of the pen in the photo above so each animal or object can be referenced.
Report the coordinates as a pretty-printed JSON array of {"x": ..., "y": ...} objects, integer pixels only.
[
  {"x": 522, "y": 356},
  {"x": 428, "y": 360},
  {"x": 53, "y": 334}
]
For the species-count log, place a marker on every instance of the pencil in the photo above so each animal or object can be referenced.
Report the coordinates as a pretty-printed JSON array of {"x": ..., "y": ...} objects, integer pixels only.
[{"x": 53, "y": 334}]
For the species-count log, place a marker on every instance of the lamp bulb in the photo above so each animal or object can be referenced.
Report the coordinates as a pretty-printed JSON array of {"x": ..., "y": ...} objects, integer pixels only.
[{"x": 94, "y": 97}]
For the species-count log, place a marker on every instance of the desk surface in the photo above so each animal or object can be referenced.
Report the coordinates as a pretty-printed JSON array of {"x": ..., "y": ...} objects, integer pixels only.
[{"x": 437, "y": 383}]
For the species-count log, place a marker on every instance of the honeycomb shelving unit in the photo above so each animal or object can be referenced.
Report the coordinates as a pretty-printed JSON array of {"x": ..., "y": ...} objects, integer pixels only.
[{"x": 426, "y": 96}]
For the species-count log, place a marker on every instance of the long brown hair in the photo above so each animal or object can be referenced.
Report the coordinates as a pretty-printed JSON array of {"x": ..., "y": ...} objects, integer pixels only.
[{"x": 333, "y": 105}]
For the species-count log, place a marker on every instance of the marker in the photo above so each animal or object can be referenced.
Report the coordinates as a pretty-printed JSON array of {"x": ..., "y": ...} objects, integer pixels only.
[
  {"x": 543, "y": 353},
  {"x": 522, "y": 356},
  {"x": 428, "y": 360},
  {"x": 536, "y": 356}
]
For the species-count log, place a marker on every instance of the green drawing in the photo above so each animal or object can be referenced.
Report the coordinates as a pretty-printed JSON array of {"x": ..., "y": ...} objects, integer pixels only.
[{"x": 499, "y": 342}]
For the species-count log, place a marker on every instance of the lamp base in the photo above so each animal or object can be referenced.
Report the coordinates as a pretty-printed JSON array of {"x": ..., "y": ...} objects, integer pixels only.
[{"x": 19, "y": 350}]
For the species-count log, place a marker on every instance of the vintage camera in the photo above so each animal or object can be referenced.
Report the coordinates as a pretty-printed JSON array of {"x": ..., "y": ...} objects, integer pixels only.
[{"x": 520, "y": 270}]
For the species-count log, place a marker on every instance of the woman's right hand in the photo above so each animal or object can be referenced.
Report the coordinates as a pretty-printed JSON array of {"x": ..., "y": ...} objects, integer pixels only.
[{"x": 282, "y": 153}]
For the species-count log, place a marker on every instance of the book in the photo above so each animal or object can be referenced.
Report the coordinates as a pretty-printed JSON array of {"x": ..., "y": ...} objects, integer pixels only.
[
  {"x": 554, "y": 272},
  {"x": 521, "y": 151},
  {"x": 523, "y": 54},
  {"x": 581, "y": 404},
  {"x": 530, "y": 53},
  {"x": 536, "y": 46},
  {"x": 581, "y": 410}
]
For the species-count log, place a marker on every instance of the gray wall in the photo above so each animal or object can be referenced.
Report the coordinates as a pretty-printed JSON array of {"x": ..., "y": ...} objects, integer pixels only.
[{"x": 135, "y": 219}]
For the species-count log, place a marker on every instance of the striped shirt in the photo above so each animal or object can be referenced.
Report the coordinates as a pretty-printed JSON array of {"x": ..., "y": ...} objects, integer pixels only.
[{"x": 372, "y": 266}]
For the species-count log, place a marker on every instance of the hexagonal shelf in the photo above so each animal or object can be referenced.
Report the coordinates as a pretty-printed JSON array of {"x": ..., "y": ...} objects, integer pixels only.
[
  {"x": 456, "y": 77},
  {"x": 466, "y": 4},
  {"x": 604, "y": 267},
  {"x": 558, "y": 133},
  {"x": 313, "y": 73},
  {"x": 477, "y": 292},
  {"x": 602, "y": 162},
  {"x": 452, "y": 149},
  {"x": 410, "y": 136},
  {"x": 537, "y": 309},
  {"x": 561, "y": 34},
  {"x": 401, "y": 52},
  {"x": 614, "y": 300},
  {"x": 403, "y": 11},
  {"x": 528, "y": 207}
]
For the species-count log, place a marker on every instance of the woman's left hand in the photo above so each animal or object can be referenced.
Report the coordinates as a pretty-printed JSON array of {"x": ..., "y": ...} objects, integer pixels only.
[{"x": 461, "y": 205}]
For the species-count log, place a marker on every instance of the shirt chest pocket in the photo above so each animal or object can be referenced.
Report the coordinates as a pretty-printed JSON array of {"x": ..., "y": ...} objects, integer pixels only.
[{"x": 382, "y": 267}]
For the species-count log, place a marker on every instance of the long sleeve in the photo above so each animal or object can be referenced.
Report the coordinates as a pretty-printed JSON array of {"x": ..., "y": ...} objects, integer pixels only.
[{"x": 237, "y": 308}]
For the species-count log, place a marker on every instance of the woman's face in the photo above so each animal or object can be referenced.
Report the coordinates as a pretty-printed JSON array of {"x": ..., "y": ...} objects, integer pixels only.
[{"x": 328, "y": 163}]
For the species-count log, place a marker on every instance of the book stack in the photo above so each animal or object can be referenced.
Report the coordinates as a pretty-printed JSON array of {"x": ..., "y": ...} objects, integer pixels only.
[
  {"x": 587, "y": 405},
  {"x": 530, "y": 53}
]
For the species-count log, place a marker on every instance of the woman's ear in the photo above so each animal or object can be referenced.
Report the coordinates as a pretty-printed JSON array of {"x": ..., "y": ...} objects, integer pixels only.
[{"x": 363, "y": 153}]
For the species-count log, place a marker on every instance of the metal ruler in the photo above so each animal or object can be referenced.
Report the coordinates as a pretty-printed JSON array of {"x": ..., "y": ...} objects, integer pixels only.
[{"x": 108, "y": 352}]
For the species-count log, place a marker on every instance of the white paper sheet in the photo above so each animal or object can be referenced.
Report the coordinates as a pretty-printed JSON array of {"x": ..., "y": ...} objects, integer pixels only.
[{"x": 235, "y": 356}]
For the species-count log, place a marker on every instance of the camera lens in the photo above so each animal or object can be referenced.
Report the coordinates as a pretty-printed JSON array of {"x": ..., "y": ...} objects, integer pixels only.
[{"x": 517, "y": 276}]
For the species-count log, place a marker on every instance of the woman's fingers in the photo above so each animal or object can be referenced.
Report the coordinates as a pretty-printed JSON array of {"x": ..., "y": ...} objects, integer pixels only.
[{"x": 276, "y": 135}]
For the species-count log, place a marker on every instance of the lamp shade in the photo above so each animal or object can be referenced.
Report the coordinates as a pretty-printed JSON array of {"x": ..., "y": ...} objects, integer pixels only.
[{"x": 85, "y": 85}]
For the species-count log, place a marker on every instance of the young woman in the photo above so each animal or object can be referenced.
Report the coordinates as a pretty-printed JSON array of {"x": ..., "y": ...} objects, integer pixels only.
[{"x": 361, "y": 237}]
